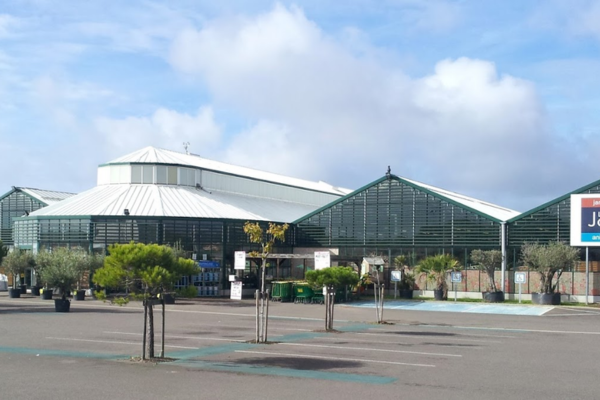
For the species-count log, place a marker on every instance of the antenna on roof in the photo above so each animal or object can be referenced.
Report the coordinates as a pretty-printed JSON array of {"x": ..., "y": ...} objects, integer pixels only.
[
  {"x": 388, "y": 174},
  {"x": 185, "y": 146}
]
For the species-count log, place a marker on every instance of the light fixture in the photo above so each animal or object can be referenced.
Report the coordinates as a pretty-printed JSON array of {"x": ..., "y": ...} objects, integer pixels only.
[{"x": 126, "y": 211}]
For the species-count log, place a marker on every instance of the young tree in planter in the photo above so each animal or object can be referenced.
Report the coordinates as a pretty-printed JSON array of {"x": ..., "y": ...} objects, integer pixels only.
[
  {"x": 436, "y": 268},
  {"x": 331, "y": 279},
  {"x": 60, "y": 270},
  {"x": 549, "y": 260},
  {"x": 267, "y": 240},
  {"x": 15, "y": 263},
  {"x": 144, "y": 269},
  {"x": 489, "y": 261}
]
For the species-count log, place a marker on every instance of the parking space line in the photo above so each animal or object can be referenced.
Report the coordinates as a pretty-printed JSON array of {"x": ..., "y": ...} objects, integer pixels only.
[
  {"x": 183, "y": 337},
  {"x": 332, "y": 358},
  {"x": 429, "y": 337},
  {"x": 370, "y": 349},
  {"x": 116, "y": 342}
]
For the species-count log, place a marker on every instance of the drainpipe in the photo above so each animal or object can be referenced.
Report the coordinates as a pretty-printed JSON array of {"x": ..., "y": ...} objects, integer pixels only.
[{"x": 503, "y": 236}]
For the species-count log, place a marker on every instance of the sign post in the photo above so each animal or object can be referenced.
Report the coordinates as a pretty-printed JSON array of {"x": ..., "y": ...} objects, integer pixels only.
[
  {"x": 456, "y": 277},
  {"x": 520, "y": 278},
  {"x": 396, "y": 277}
]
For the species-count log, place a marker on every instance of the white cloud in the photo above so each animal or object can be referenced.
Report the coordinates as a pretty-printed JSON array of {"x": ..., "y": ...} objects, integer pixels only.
[
  {"x": 165, "y": 128},
  {"x": 7, "y": 25},
  {"x": 463, "y": 127}
]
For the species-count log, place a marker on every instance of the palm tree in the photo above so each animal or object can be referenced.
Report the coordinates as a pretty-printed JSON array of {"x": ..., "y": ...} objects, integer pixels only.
[{"x": 436, "y": 268}]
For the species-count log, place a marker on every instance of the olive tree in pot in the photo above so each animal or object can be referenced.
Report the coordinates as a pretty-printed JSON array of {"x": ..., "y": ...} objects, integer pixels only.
[
  {"x": 549, "y": 261},
  {"x": 61, "y": 272},
  {"x": 436, "y": 268},
  {"x": 488, "y": 261},
  {"x": 87, "y": 264},
  {"x": 15, "y": 263}
]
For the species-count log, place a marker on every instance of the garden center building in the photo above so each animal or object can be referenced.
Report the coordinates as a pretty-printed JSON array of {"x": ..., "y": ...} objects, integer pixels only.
[{"x": 161, "y": 196}]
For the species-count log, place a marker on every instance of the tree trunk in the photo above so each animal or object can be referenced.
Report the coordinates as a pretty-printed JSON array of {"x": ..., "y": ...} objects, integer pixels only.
[{"x": 150, "y": 340}]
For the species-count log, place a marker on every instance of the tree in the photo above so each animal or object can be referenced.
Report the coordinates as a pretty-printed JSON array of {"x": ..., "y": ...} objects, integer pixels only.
[
  {"x": 488, "y": 261},
  {"x": 549, "y": 260},
  {"x": 267, "y": 240},
  {"x": 16, "y": 262},
  {"x": 146, "y": 270},
  {"x": 60, "y": 268},
  {"x": 331, "y": 279},
  {"x": 436, "y": 268},
  {"x": 3, "y": 251}
]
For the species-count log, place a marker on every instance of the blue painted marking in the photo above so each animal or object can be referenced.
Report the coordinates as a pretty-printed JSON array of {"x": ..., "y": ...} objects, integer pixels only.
[
  {"x": 458, "y": 307},
  {"x": 289, "y": 372}
]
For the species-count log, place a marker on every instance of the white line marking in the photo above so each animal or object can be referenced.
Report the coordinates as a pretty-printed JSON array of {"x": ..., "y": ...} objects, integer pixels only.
[
  {"x": 368, "y": 349},
  {"x": 331, "y": 358},
  {"x": 115, "y": 342},
  {"x": 432, "y": 337},
  {"x": 183, "y": 337}
]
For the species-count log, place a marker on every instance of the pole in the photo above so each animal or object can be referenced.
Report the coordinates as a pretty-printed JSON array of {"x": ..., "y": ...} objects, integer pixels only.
[
  {"x": 520, "y": 284},
  {"x": 162, "y": 339},
  {"x": 587, "y": 274},
  {"x": 145, "y": 323},
  {"x": 266, "y": 319},
  {"x": 395, "y": 289},
  {"x": 256, "y": 294},
  {"x": 503, "y": 236},
  {"x": 455, "y": 290}
]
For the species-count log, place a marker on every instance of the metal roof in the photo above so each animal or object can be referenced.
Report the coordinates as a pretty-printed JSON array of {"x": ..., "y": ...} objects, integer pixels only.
[
  {"x": 47, "y": 197},
  {"x": 493, "y": 210},
  {"x": 152, "y": 155},
  {"x": 173, "y": 201}
]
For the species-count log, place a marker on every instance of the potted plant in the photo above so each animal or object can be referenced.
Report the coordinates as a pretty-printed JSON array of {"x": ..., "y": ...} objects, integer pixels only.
[
  {"x": 15, "y": 264},
  {"x": 488, "y": 261},
  {"x": 436, "y": 268},
  {"x": 61, "y": 272},
  {"x": 86, "y": 265},
  {"x": 42, "y": 259},
  {"x": 549, "y": 261}
]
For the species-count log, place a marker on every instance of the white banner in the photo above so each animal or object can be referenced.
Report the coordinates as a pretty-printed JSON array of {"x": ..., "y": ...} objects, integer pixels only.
[
  {"x": 322, "y": 260},
  {"x": 240, "y": 260},
  {"x": 236, "y": 291}
]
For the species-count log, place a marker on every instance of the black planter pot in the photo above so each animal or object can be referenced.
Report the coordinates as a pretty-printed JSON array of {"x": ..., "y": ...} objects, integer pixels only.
[
  {"x": 406, "y": 293},
  {"x": 23, "y": 289},
  {"x": 79, "y": 295},
  {"x": 493, "y": 297},
  {"x": 14, "y": 293},
  {"x": 47, "y": 294},
  {"x": 61, "y": 305},
  {"x": 546, "y": 299},
  {"x": 438, "y": 294},
  {"x": 35, "y": 290}
]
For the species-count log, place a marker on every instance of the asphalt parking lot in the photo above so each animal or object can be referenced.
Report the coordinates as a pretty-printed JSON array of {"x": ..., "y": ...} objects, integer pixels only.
[{"x": 418, "y": 354}]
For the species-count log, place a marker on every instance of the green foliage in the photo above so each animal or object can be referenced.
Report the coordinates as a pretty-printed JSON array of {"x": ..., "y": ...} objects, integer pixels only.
[
  {"x": 267, "y": 238},
  {"x": 335, "y": 277},
  {"x": 436, "y": 268},
  {"x": 148, "y": 268},
  {"x": 16, "y": 262},
  {"x": 61, "y": 269},
  {"x": 549, "y": 260},
  {"x": 408, "y": 281},
  {"x": 3, "y": 251},
  {"x": 188, "y": 292},
  {"x": 488, "y": 261}
]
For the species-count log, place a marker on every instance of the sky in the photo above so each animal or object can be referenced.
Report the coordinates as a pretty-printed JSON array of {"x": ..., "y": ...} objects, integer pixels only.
[{"x": 497, "y": 100}]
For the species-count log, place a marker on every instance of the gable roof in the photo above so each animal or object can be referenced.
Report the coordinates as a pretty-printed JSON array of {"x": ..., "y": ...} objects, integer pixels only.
[
  {"x": 483, "y": 208},
  {"x": 47, "y": 197}
]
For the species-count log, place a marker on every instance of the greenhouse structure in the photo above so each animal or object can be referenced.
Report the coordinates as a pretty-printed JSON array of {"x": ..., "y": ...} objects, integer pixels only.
[{"x": 166, "y": 197}]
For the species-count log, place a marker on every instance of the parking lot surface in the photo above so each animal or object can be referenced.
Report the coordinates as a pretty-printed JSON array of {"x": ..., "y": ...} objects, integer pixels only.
[{"x": 417, "y": 354}]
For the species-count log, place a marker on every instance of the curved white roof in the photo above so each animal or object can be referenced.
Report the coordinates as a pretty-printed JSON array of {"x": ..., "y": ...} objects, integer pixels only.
[
  {"x": 152, "y": 155},
  {"x": 173, "y": 201}
]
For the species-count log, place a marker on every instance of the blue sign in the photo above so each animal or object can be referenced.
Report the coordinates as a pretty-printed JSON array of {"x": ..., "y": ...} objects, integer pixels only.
[
  {"x": 209, "y": 264},
  {"x": 590, "y": 220},
  {"x": 456, "y": 277}
]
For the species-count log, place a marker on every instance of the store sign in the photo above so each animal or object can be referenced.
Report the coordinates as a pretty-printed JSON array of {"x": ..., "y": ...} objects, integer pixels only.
[
  {"x": 240, "y": 260},
  {"x": 322, "y": 260},
  {"x": 209, "y": 264},
  {"x": 236, "y": 291},
  {"x": 585, "y": 220}
]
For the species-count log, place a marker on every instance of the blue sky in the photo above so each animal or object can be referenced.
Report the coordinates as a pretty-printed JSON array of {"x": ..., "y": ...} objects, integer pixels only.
[{"x": 493, "y": 99}]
